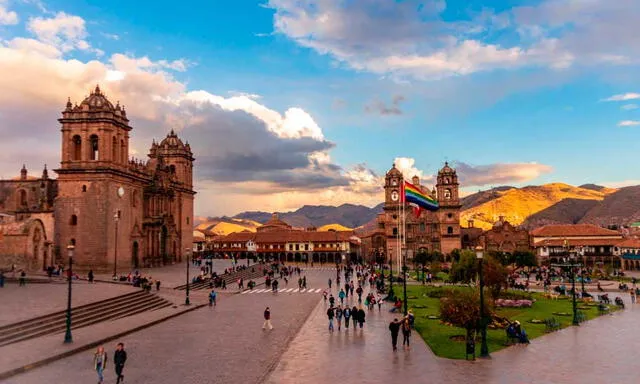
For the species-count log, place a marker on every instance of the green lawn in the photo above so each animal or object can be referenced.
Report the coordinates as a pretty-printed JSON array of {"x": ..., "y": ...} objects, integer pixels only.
[{"x": 437, "y": 335}]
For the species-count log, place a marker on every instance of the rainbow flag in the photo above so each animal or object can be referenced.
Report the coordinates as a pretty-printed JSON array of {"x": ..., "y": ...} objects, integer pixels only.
[{"x": 412, "y": 195}]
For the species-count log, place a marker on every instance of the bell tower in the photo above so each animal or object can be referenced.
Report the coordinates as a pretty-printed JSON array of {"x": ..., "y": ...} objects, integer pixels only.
[{"x": 449, "y": 213}]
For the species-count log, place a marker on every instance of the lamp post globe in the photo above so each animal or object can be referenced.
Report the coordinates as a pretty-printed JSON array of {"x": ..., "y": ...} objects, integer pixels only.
[
  {"x": 67, "y": 335},
  {"x": 484, "y": 349}
]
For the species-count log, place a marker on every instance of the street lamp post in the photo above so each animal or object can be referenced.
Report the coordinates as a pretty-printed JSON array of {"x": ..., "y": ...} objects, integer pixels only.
[
  {"x": 67, "y": 335},
  {"x": 404, "y": 280},
  {"x": 116, "y": 217},
  {"x": 391, "y": 295},
  {"x": 484, "y": 349},
  {"x": 186, "y": 301}
]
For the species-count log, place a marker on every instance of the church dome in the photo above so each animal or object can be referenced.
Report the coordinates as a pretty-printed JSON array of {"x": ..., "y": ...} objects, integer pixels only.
[
  {"x": 394, "y": 171},
  {"x": 97, "y": 101},
  {"x": 447, "y": 168},
  {"x": 172, "y": 141}
]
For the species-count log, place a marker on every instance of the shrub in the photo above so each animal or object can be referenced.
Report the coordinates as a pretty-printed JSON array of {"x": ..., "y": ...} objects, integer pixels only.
[
  {"x": 462, "y": 308},
  {"x": 514, "y": 295}
]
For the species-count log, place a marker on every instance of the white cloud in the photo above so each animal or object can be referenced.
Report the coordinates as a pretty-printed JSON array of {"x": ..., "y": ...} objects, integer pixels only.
[
  {"x": 623, "y": 97},
  {"x": 628, "y": 123},
  {"x": 412, "y": 39},
  {"x": 629, "y": 107},
  {"x": 65, "y": 32},
  {"x": 499, "y": 173},
  {"x": 7, "y": 17}
]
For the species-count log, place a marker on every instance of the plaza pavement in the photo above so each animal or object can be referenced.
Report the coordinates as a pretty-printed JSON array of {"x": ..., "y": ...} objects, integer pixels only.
[
  {"x": 599, "y": 351},
  {"x": 223, "y": 344}
]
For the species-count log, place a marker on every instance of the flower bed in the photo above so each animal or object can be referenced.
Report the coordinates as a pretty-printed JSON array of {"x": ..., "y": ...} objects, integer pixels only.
[{"x": 513, "y": 303}]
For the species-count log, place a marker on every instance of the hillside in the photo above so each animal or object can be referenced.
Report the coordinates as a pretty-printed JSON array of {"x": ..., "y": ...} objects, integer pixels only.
[
  {"x": 226, "y": 225},
  {"x": 348, "y": 215},
  {"x": 567, "y": 211},
  {"x": 517, "y": 204},
  {"x": 333, "y": 227},
  {"x": 619, "y": 208}
]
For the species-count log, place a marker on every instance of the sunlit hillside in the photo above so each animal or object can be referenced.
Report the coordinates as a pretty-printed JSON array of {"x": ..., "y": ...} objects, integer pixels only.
[
  {"x": 334, "y": 227},
  {"x": 519, "y": 203}
]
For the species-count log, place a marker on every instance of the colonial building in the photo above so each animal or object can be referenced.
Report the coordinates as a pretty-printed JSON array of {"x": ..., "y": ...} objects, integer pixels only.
[
  {"x": 629, "y": 253},
  {"x": 430, "y": 231},
  {"x": 277, "y": 240},
  {"x": 504, "y": 237},
  {"x": 115, "y": 210},
  {"x": 592, "y": 244}
]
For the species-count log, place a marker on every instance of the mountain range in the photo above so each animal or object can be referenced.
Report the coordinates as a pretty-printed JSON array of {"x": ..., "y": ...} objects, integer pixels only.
[{"x": 530, "y": 207}]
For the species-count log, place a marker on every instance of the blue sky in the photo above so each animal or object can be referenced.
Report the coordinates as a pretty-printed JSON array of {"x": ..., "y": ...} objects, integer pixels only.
[{"x": 512, "y": 92}]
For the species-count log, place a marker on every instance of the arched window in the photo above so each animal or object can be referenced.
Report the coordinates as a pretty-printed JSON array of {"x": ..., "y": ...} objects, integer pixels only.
[
  {"x": 74, "y": 220},
  {"x": 22, "y": 198},
  {"x": 95, "y": 153},
  {"x": 449, "y": 230},
  {"x": 172, "y": 168},
  {"x": 76, "y": 148},
  {"x": 114, "y": 149},
  {"x": 73, "y": 242},
  {"x": 134, "y": 199},
  {"x": 187, "y": 221},
  {"x": 123, "y": 152},
  {"x": 84, "y": 188}
]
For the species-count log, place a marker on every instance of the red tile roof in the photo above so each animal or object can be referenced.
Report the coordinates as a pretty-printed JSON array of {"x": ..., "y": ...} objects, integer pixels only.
[
  {"x": 629, "y": 243},
  {"x": 576, "y": 242},
  {"x": 565, "y": 230}
]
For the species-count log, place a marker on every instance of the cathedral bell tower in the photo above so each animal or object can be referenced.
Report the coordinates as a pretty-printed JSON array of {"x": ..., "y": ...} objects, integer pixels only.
[
  {"x": 449, "y": 213},
  {"x": 392, "y": 197}
]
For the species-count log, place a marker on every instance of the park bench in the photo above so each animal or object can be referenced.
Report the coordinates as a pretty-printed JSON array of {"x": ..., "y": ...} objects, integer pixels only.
[{"x": 603, "y": 308}]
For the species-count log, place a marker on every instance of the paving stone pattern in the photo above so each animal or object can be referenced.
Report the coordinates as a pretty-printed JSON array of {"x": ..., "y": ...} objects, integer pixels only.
[{"x": 224, "y": 344}]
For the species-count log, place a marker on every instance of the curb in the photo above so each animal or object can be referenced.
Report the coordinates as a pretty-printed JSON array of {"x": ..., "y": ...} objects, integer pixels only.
[{"x": 51, "y": 359}]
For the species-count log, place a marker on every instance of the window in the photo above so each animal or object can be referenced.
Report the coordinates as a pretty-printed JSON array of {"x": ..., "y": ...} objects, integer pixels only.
[
  {"x": 395, "y": 231},
  {"x": 84, "y": 188},
  {"x": 123, "y": 152},
  {"x": 423, "y": 227},
  {"x": 77, "y": 148},
  {"x": 22, "y": 198},
  {"x": 114, "y": 149},
  {"x": 449, "y": 230},
  {"x": 134, "y": 201},
  {"x": 73, "y": 242},
  {"x": 74, "y": 220},
  {"x": 297, "y": 247},
  {"x": 449, "y": 215},
  {"x": 447, "y": 194},
  {"x": 187, "y": 221},
  {"x": 172, "y": 168},
  {"x": 94, "y": 154},
  {"x": 306, "y": 247}
]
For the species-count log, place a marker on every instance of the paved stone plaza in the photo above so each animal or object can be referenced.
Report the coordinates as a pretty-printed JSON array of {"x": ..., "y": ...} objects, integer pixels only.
[{"x": 226, "y": 344}]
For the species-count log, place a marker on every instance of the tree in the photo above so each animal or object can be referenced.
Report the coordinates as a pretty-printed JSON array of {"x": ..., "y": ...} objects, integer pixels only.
[
  {"x": 494, "y": 275},
  {"x": 436, "y": 268},
  {"x": 455, "y": 255},
  {"x": 421, "y": 258},
  {"x": 465, "y": 269},
  {"x": 525, "y": 259},
  {"x": 461, "y": 308}
]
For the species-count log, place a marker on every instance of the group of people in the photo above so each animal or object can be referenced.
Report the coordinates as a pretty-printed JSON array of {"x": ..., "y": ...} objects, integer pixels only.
[
  {"x": 395, "y": 326},
  {"x": 100, "y": 362},
  {"x": 355, "y": 314}
]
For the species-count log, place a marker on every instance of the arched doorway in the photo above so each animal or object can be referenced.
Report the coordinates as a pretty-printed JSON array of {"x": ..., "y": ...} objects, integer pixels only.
[
  {"x": 298, "y": 257},
  {"x": 175, "y": 250},
  {"x": 135, "y": 261},
  {"x": 315, "y": 258}
]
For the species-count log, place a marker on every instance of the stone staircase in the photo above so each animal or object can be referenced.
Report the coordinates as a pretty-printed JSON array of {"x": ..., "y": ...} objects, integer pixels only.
[
  {"x": 82, "y": 316},
  {"x": 251, "y": 273}
]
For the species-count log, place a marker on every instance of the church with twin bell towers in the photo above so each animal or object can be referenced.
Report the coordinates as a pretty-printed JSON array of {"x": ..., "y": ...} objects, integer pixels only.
[
  {"x": 120, "y": 212},
  {"x": 431, "y": 230}
]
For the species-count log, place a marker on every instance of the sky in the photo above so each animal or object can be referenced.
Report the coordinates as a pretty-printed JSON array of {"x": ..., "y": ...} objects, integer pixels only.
[{"x": 292, "y": 102}]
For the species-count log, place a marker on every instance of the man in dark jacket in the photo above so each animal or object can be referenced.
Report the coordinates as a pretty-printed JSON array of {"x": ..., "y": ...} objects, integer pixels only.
[
  {"x": 394, "y": 327},
  {"x": 119, "y": 358}
]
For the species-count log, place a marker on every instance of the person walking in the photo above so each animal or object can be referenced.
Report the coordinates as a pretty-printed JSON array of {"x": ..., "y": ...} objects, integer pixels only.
[
  {"x": 354, "y": 316},
  {"x": 23, "y": 279},
  {"x": 406, "y": 332},
  {"x": 212, "y": 298},
  {"x": 267, "y": 319},
  {"x": 90, "y": 276},
  {"x": 347, "y": 315},
  {"x": 329, "y": 283},
  {"x": 330, "y": 315},
  {"x": 339, "y": 317},
  {"x": 341, "y": 295},
  {"x": 361, "y": 316},
  {"x": 100, "y": 363},
  {"x": 1, "y": 279},
  {"x": 157, "y": 285},
  {"x": 119, "y": 358},
  {"x": 394, "y": 328},
  {"x": 633, "y": 296}
]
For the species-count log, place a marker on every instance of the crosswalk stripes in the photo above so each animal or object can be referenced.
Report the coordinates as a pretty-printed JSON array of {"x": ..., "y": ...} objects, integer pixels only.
[{"x": 286, "y": 290}]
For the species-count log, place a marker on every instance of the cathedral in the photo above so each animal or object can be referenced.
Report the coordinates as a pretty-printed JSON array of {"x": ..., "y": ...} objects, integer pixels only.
[
  {"x": 430, "y": 231},
  {"x": 119, "y": 213}
]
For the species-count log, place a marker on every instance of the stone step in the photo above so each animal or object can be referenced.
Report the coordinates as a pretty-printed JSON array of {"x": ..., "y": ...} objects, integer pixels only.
[{"x": 121, "y": 306}]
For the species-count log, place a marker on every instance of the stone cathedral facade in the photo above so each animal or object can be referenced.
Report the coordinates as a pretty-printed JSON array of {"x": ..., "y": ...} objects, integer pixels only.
[{"x": 114, "y": 209}]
